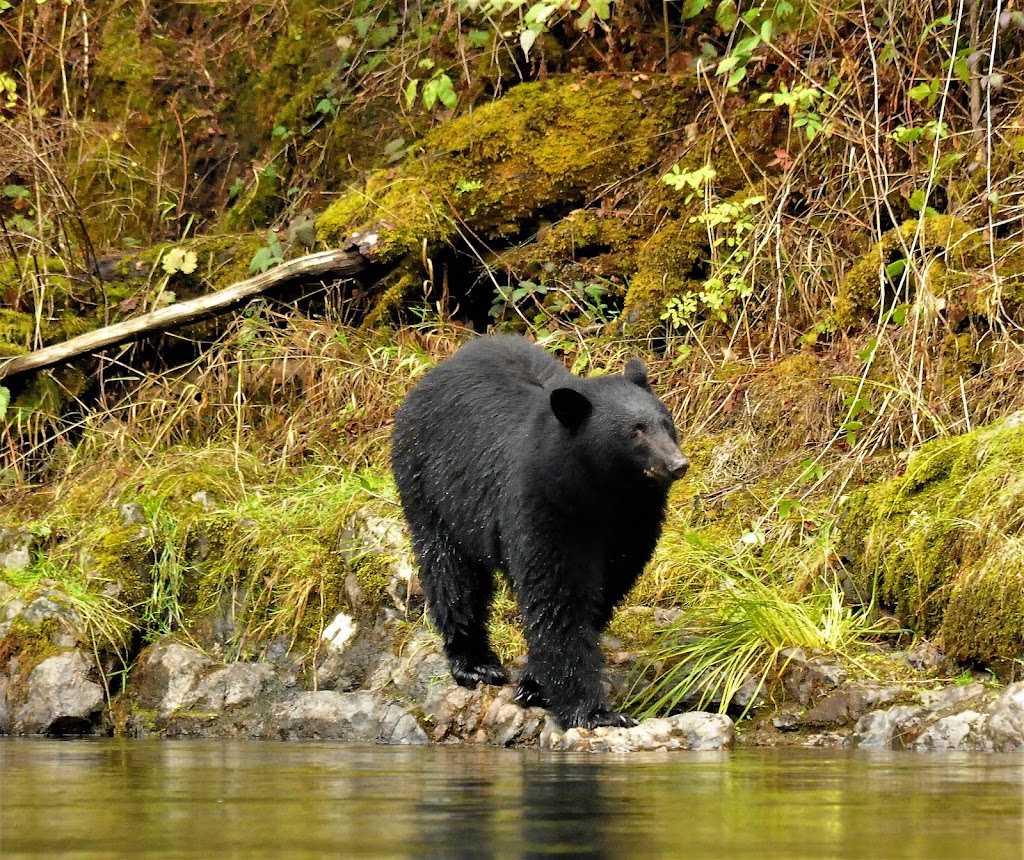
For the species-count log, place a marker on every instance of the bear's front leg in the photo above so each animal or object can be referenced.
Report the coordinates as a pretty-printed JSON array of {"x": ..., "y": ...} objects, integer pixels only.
[{"x": 563, "y": 671}]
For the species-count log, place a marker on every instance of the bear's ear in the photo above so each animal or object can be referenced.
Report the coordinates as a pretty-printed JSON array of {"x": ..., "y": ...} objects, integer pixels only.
[
  {"x": 570, "y": 407},
  {"x": 636, "y": 372}
]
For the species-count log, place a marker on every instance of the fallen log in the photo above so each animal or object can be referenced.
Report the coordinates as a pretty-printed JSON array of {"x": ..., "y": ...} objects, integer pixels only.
[{"x": 335, "y": 264}]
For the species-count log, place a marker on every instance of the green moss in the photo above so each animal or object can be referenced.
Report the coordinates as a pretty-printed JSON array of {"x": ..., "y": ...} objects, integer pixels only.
[
  {"x": 586, "y": 243},
  {"x": 259, "y": 204},
  {"x": 671, "y": 262},
  {"x": 16, "y": 332},
  {"x": 496, "y": 169},
  {"x": 373, "y": 573},
  {"x": 948, "y": 245},
  {"x": 126, "y": 62},
  {"x": 396, "y": 287},
  {"x": 940, "y": 544}
]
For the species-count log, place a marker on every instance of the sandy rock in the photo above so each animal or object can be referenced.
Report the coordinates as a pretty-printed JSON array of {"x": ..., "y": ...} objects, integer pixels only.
[
  {"x": 363, "y": 717},
  {"x": 850, "y": 702},
  {"x": 883, "y": 729},
  {"x": 807, "y": 678},
  {"x": 1005, "y": 727},
  {"x": 963, "y": 731},
  {"x": 61, "y": 698},
  {"x": 691, "y": 731},
  {"x": 15, "y": 548}
]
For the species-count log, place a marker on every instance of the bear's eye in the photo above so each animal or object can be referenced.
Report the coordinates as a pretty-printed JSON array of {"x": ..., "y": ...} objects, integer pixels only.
[{"x": 638, "y": 432}]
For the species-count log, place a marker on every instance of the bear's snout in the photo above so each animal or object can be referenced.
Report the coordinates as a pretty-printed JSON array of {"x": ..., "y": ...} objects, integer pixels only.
[
  {"x": 677, "y": 467},
  {"x": 668, "y": 463}
]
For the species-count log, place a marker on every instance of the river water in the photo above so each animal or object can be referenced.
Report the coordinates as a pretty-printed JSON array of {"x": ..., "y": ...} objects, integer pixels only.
[{"x": 199, "y": 799}]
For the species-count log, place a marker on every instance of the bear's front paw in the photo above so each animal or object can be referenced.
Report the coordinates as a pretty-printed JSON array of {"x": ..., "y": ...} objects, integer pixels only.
[
  {"x": 606, "y": 717},
  {"x": 480, "y": 673}
]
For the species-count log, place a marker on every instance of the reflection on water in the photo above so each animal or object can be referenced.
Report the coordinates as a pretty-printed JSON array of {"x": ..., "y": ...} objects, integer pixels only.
[{"x": 113, "y": 798}]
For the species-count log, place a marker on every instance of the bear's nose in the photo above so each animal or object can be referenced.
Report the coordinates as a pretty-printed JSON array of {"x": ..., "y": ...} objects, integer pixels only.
[{"x": 677, "y": 467}]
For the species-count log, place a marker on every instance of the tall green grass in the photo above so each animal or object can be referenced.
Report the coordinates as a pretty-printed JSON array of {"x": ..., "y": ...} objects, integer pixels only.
[{"x": 737, "y": 627}]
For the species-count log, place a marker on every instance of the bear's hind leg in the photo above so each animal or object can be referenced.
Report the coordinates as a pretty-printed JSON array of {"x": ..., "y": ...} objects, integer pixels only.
[{"x": 458, "y": 594}]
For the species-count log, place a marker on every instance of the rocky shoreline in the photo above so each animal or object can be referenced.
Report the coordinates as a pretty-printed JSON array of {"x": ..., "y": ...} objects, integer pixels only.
[{"x": 377, "y": 675}]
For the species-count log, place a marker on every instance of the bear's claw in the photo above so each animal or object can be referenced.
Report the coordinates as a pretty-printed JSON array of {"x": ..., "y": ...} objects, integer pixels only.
[
  {"x": 492, "y": 674},
  {"x": 530, "y": 694},
  {"x": 606, "y": 717}
]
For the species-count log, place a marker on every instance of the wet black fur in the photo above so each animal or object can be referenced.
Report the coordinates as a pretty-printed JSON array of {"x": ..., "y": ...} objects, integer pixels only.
[{"x": 504, "y": 460}]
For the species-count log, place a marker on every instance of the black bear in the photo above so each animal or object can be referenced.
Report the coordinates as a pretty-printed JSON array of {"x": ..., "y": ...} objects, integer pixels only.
[{"x": 506, "y": 461}]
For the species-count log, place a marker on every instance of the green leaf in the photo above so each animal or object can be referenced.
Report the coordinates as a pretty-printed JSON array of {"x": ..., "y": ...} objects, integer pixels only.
[
  {"x": 410, "y": 93},
  {"x": 445, "y": 91},
  {"x": 896, "y": 268},
  {"x": 430, "y": 94},
  {"x": 920, "y": 92},
  {"x": 917, "y": 200},
  {"x": 725, "y": 15},
  {"x": 727, "y": 65},
  {"x": 364, "y": 24},
  {"x": 868, "y": 352},
  {"x": 746, "y": 47},
  {"x": 903, "y": 134},
  {"x": 692, "y": 8},
  {"x": 766, "y": 31},
  {"x": 478, "y": 38},
  {"x": 5, "y": 401},
  {"x": 261, "y": 261},
  {"x": 15, "y": 191},
  {"x": 737, "y": 76},
  {"x": 603, "y": 8}
]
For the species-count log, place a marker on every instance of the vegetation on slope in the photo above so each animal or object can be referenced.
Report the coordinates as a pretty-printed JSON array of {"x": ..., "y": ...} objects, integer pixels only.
[{"x": 806, "y": 217}]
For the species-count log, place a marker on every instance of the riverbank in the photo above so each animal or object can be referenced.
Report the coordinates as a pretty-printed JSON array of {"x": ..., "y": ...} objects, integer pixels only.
[{"x": 375, "y": 673}]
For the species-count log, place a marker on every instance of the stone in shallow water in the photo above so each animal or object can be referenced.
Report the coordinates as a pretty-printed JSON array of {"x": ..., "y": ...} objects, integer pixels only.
[
  {"x": 365, "y": 717},
  {"x": 1005, "y": 726},
  {"x": 61, "y": 698},
  {"x": 692, "y": 731},
  {"x": 883, "y": 729}
]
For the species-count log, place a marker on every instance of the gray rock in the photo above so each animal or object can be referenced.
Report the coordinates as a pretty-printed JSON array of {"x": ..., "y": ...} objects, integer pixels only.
[
  {"x": 885, "y": 729},
  {"x": 948, "y": 697},
  {"x": 924, "y": 657},
  {"x": 13, "y": 608},
  {"x": 168, "y": 676},
  {"x": 60, "y": 697},
  {"x": 368, "y": 532},
  {"x": 1005, "y": 727},
  {"x": 205, "y": 499},
  {"x": 692, "y": 731},
  {"x": 44, "y": 608},
  {"x": 6, "y": 717},
  {"x": 363, "y": 716},
  {"x": 414, "y": 672},
  {"x": 850, "y": 702},
  {"x": 233, "y": 685},
  {"x": 963, "y": 731},
  {"x": 15, "y": 548},
  {"x": 132, "y": 514},
  {"x": 805, "y": 678}
]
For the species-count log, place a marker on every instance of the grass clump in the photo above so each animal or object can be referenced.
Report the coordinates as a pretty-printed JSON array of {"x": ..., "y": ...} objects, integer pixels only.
[{"x": 735, "y": 629}]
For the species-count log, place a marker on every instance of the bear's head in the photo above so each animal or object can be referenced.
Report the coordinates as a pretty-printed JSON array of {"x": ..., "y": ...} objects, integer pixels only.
[{"x": 620, "y": 427}]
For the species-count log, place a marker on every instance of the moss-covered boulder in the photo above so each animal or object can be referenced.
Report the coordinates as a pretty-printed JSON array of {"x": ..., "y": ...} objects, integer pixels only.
[
  {"x": 963, "y": 274},
  {"x": 943, "y": 544},
  {"x": 544, "y": 146}
]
